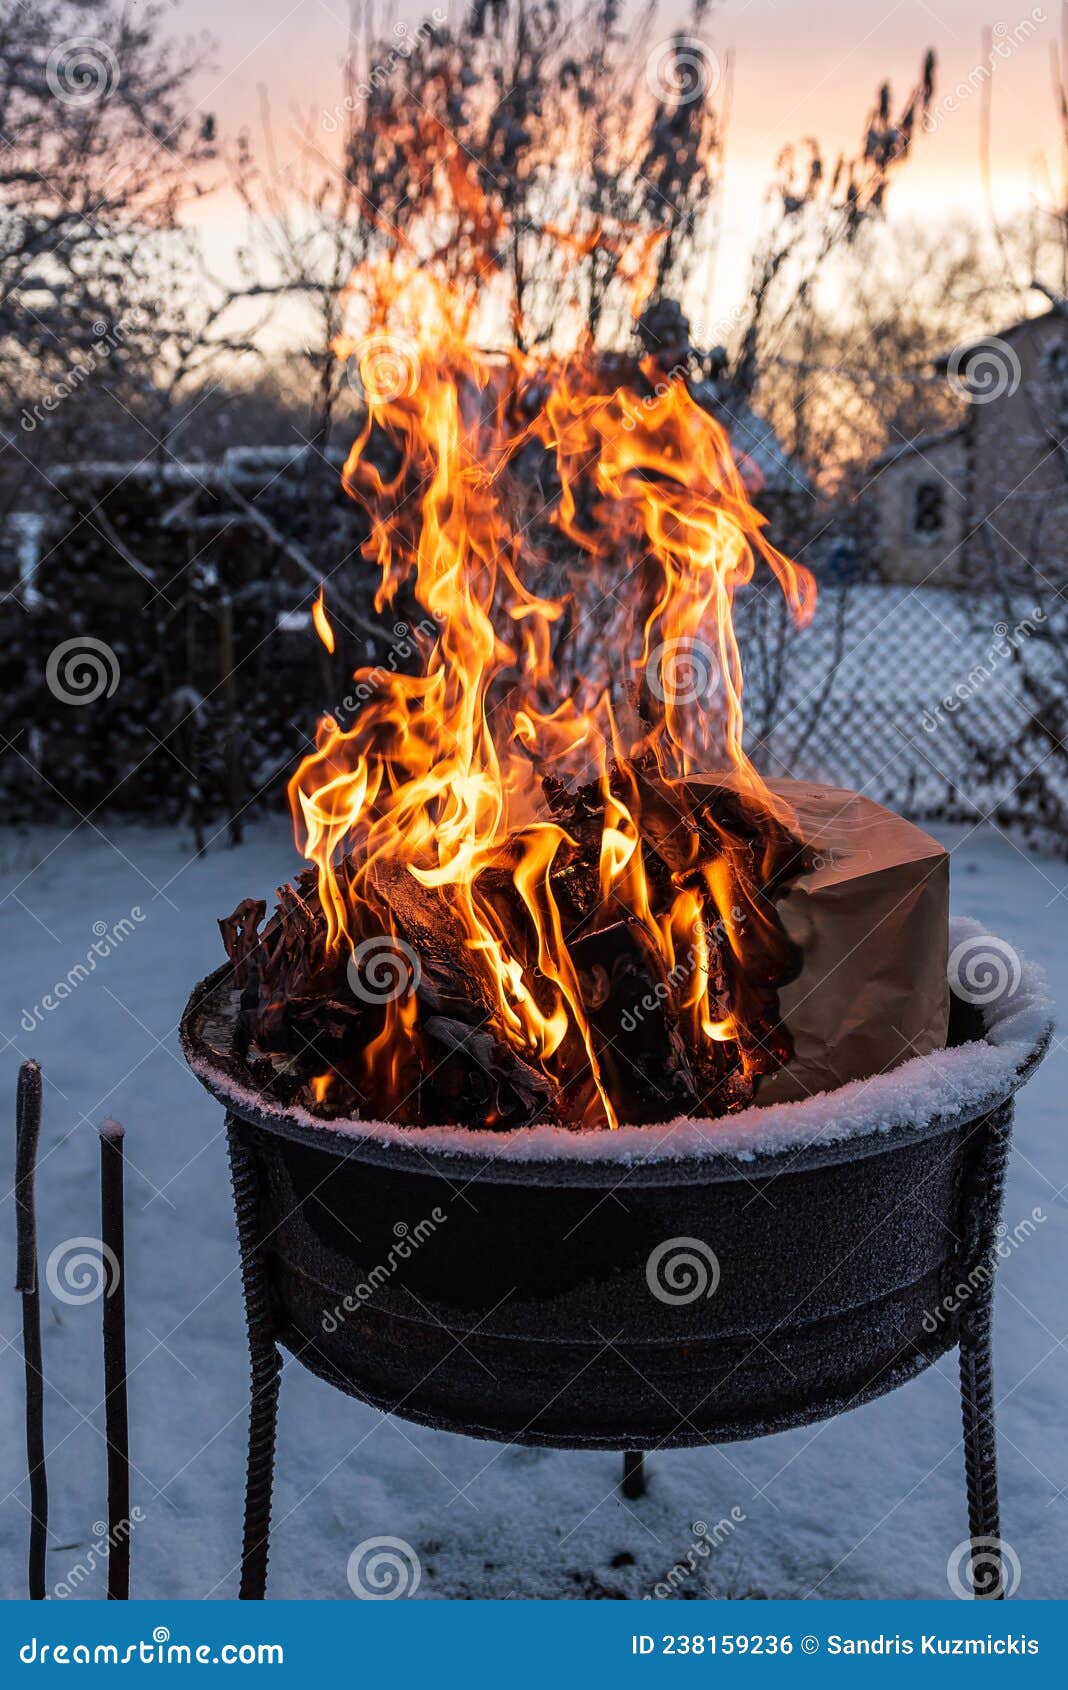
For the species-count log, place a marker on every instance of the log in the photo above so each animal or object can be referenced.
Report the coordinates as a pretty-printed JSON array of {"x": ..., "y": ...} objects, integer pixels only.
[
  {"x": 427, "y": 921},
  {"x": 840, "y": 974},
  {"x": 478, "y": 1079},
  {"x": 628, "y": 1000}
]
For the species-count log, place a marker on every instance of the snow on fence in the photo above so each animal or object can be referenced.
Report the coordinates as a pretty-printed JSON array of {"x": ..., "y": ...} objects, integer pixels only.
[{"x": 943, "y": 705}]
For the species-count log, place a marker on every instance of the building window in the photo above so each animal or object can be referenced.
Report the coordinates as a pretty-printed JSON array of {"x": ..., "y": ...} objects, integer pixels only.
[
  {"x": 928, "y": 510},
  {"x": 1056, "y": 362}
]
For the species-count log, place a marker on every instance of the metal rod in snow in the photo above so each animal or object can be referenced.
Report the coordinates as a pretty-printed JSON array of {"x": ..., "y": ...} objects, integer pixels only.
[
  {"x": 633, "y": 1474},
  {"x": 116, "y": 1414},
  {"x": 27, "y": 1137}
]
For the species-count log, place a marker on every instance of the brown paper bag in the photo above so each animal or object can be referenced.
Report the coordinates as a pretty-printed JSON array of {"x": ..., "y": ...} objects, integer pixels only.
[{"x": 872, "y": 922}]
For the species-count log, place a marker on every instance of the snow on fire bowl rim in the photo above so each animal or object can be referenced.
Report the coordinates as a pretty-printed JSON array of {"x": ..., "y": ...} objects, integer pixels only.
[{"x": 919, "y": 1099}]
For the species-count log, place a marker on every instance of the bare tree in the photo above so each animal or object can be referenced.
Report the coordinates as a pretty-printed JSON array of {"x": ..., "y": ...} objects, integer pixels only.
[
  {"x": 450, "y": 144},
  {"x": 101, "y": 150},
  {"x": 817, "y": 212}
]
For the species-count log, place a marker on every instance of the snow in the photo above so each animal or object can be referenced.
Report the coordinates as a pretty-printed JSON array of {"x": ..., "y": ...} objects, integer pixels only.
[
  {"x": 238, "y": 463},
  {"x": 948, "y": 671},
  {"x": 870, "y": 1504},
  {"x": 27, "y": 528},
  {"x": 293, "y": 621},
  {"x": 944, "y": 1082}
]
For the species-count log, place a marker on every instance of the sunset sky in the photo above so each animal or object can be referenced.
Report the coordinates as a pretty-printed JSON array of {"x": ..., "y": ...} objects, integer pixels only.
[{"x": 801, "y": 67}]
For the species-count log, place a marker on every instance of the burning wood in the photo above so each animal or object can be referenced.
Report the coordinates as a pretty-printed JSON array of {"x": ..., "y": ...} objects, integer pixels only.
[
  {"x": 527, "y": 900},
  {"x": 652, "y": 1027}
]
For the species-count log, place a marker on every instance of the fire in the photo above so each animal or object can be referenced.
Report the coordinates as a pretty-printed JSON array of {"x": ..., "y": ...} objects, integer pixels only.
[
  {"x": 576, "y": 543},
  {"x": 321, "y": 1085},
  {"x": 322, "y": 621}
]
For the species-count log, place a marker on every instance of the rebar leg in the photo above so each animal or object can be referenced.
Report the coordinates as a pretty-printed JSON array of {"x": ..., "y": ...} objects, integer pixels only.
[
  {"x": 266, "y": 1365},
  {"x": 985, "y": 1192},
  {"x": 633, "y": 1484},
  {"x": 116, "y": 1406},
  {"x": 28, "y": 1132},
  {"x": 980, "y": 1452}
]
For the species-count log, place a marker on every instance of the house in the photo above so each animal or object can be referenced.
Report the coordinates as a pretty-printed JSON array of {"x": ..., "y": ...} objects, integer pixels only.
[
  {"x": 991, "y": 493},
  {"x": 776, "y": 482}
]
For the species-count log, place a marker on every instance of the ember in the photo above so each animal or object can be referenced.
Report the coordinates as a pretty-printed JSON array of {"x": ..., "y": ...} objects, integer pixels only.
[{"x": 553, "y": 823}]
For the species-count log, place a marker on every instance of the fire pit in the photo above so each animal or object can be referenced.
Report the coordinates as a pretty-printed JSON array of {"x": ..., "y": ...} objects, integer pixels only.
[
  {"x": 505, "y": 1070},
  {"x": 638, "y": 1290}
]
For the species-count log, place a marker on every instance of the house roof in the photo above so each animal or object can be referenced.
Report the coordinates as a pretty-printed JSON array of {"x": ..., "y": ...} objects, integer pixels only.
[
  {"x": 1054, "y": 308},
  {"x": 922, "y": 443},
  {"x": 237, "y": 463}
]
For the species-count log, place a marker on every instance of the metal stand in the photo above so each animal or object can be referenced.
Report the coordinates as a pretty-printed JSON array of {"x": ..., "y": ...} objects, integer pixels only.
[
  {"x": 28, "y": 1132},
  {"x": 116, "y": 1409},
  {"x": 976, "y": 1378},
  {"x": 984, "y": 1188},
  {"x": 266, "y": 1365},
  {"x": 980, "y": 1456},
  {"x": 633, "y": 1484}
]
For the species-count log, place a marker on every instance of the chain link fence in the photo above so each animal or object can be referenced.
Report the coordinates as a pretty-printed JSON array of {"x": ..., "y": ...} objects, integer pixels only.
[{"x": 943, "y": 705}]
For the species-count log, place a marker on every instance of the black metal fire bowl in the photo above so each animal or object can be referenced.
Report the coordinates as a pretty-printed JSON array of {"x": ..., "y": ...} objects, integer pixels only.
[
  {"x": 680, "y": 1296},
  {"x": 597, "y": 1304}
]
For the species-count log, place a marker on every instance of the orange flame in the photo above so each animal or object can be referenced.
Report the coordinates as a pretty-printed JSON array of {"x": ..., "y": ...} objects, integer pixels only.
[
  {"x": 594, "y": 643},
  {"x": 322, "y": 621}
]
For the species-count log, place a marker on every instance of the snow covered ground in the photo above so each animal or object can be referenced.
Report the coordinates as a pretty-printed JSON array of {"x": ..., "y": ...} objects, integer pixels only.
[{"x": 868, "y": 1505}]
